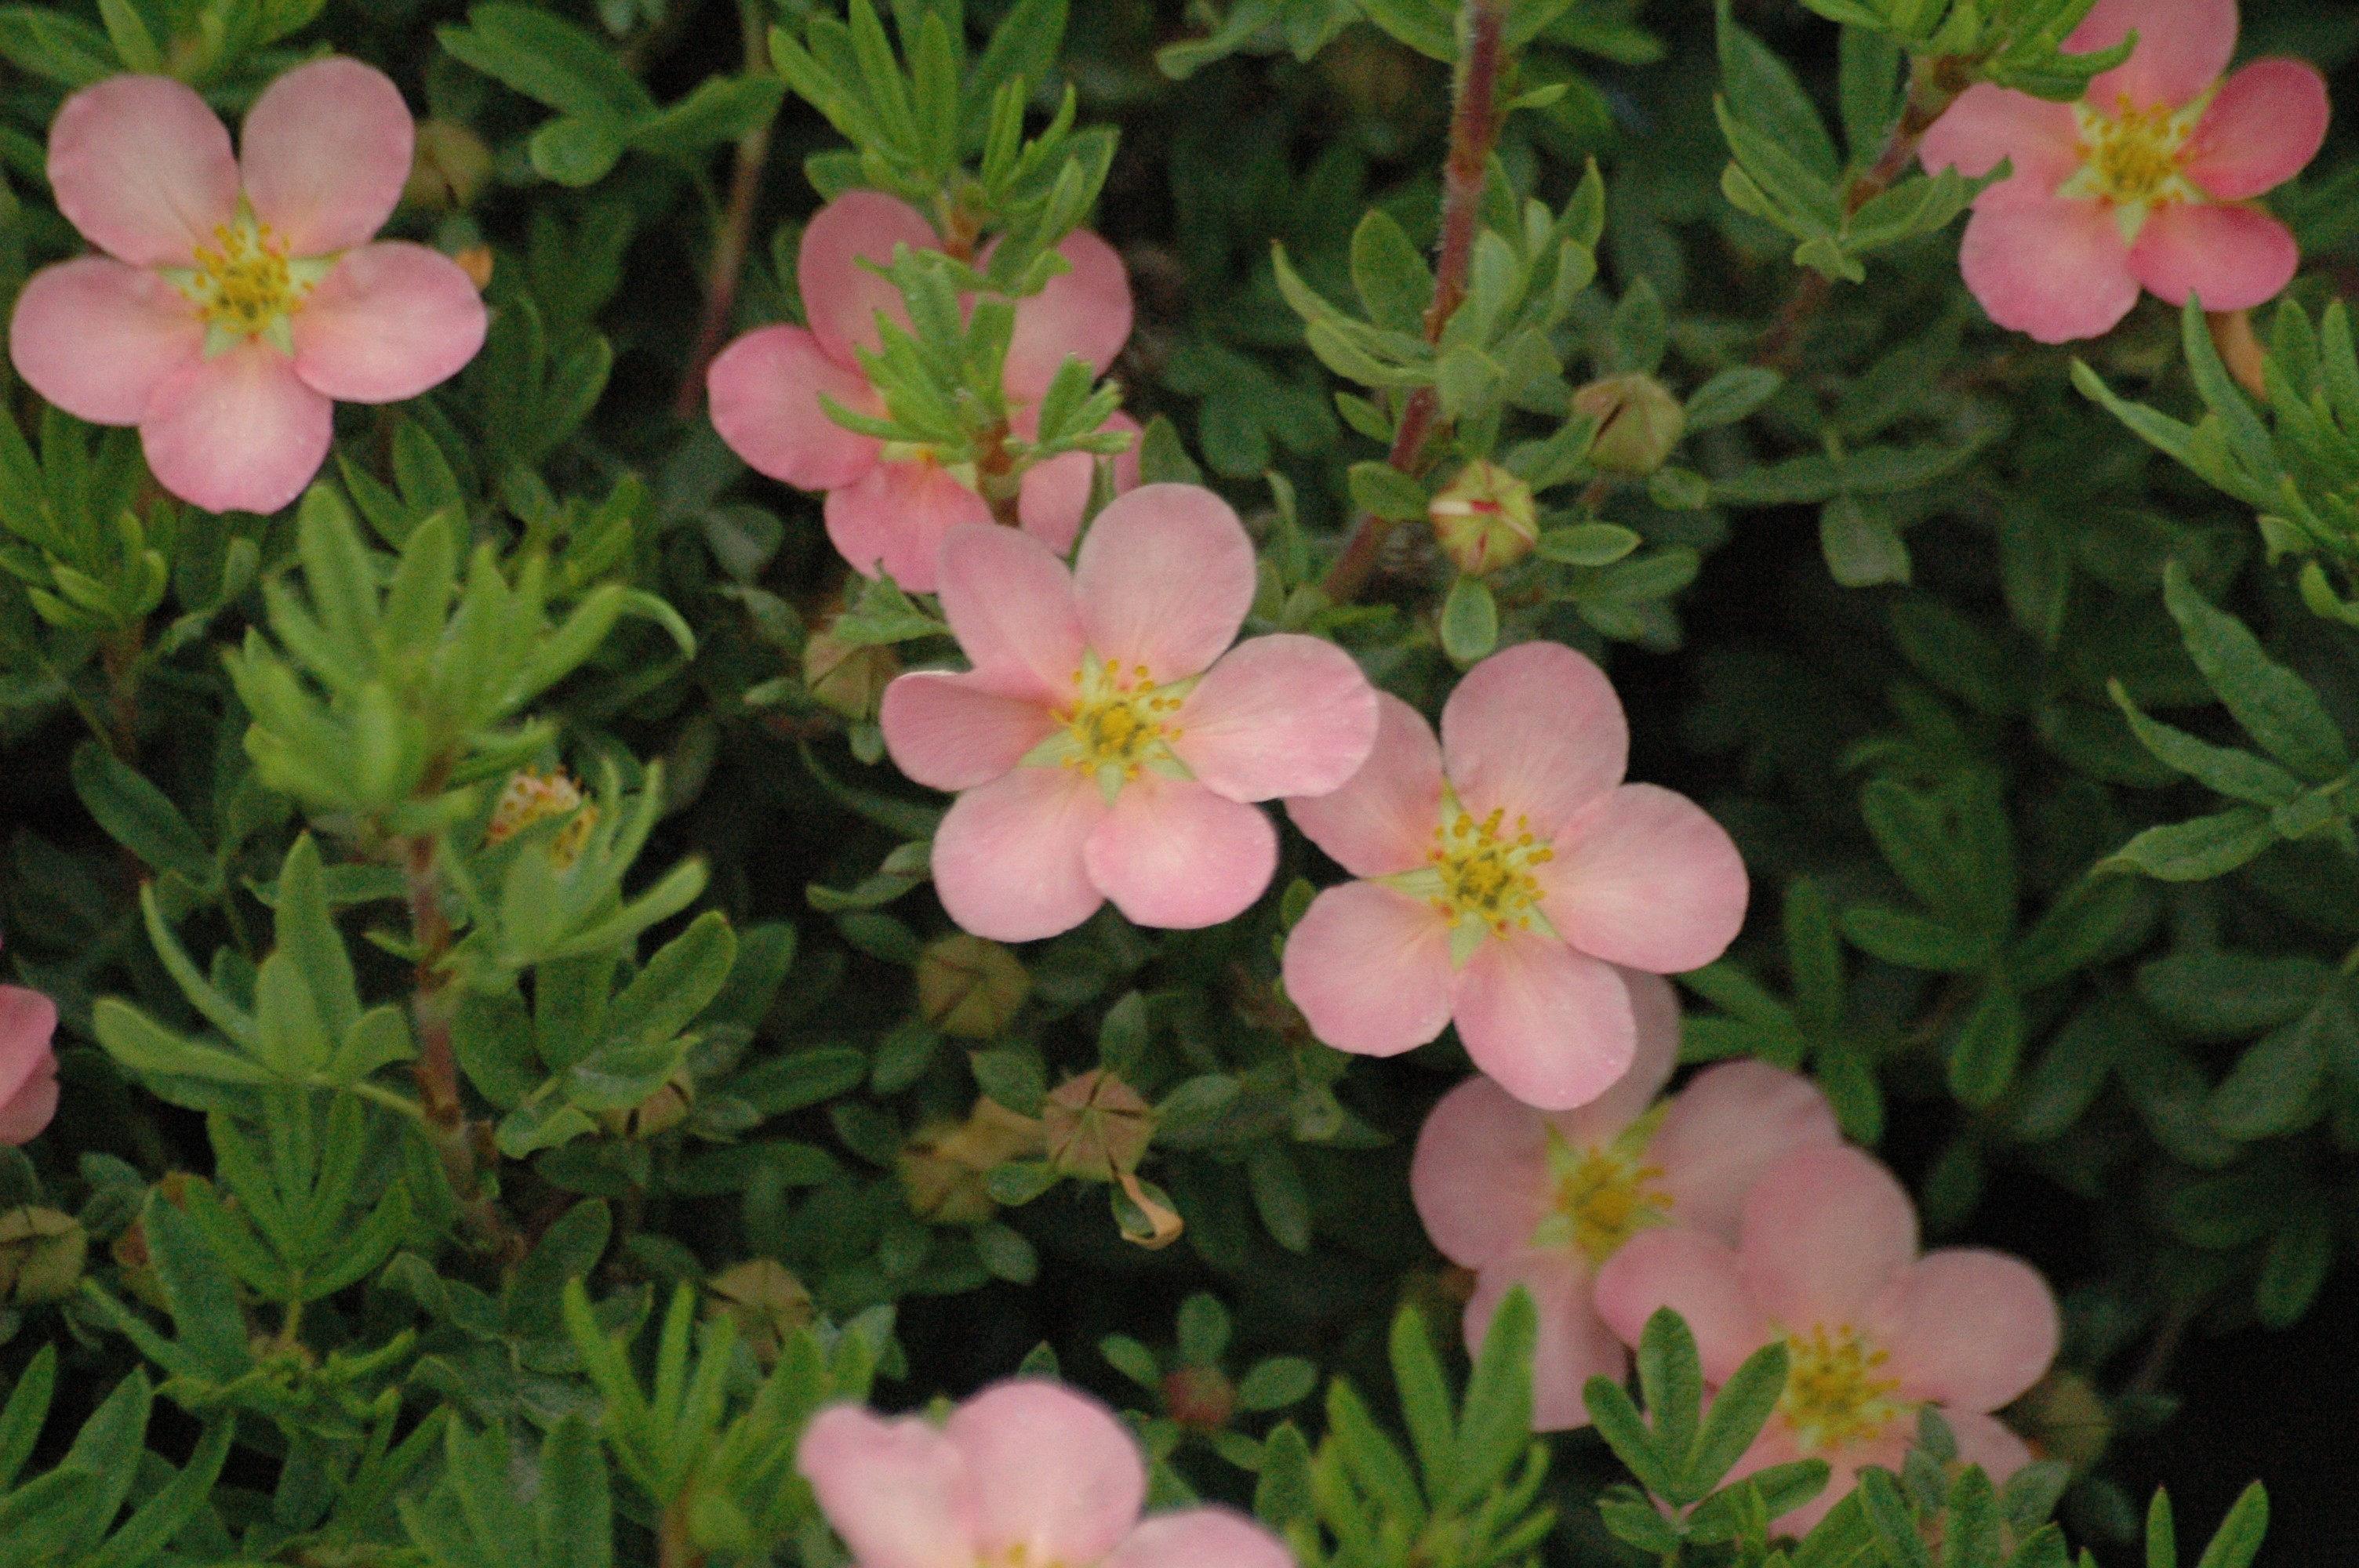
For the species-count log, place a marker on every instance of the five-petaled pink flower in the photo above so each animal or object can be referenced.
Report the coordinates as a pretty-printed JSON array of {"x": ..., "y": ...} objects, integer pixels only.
[
  {"x": 1102, "y": 751},
  {"x": 1507, "y": 871},
  {"x": 1542, "y": 1200},
  {"x": 1827, "y": 1261},
  {"x": 240, "y": 298},
  {"x": 1025, "y": 1474},
  {"x": 887, "y": 506},
  {"x": 29, "y": 1064},
  {"x": 2146, "y": 181}
]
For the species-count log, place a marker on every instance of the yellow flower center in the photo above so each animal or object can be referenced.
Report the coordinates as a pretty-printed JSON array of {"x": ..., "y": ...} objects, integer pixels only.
[
  {"x": 1486, "y": 875},
  {"x": 1603, "y": 1195},
  {"x": 2130, "y": 159},
  {"x": 1118, "y": 723},
  {"x": 1835, "y": 1395},
  {"x": 244, "y": 285}
]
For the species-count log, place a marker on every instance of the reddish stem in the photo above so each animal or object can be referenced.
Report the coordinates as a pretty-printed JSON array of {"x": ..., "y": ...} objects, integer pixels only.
[{"x": 736, "y": 231}]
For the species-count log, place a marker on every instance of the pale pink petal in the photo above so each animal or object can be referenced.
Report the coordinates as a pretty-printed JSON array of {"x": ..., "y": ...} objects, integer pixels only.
[
  {"x": 1053, "y": 1475},
  {"x": 1970, "y": 1328},
  {"x": 1369, "y": 967},
  {"x": 952, "y": 731},
  {"x": 325, "y": 151},
  {"x": 25, "y": 1114},
  {"x": 1535, "y": 732},
  {"x": 895, "y": 517},
  {"x": 1655, "y": 1010},
  {"x": 239, "y": 432},
  {"x": 2056, "y": 270},
  {"x": 1200, "y": 1537},
  {"x": 1573, "y": 1344},
  {"x": 1774, "y": 1444},
  {"x": 28, "y": 1024},
  {"x": 895, "y": 1491},
  {"x": 1285, "y": 715},
  {"x": 1824, "y": 1231},
  {"x": 96, "y": 338},
  {"x": 1985, "y": 1441},
  {"x": 2265, "y": 126},
  {"x": 1057, "y": 493},
  {"x": 1695, "y": 1275},
  {"x": 2234, "y": 257},
  {"x": 1173, "y": 854},
  {"x": 2182, "y": 47},
  {"x": 1382, "y": 821},
  {"x": 764, "y": 391},
  {"x": 1164, "y": 579},
  {"x": 1554, "y": 1026},
  {"x": 143, "y": 169},
  {"x": 390, "y": 321},
  {"x": 1007, "y": 857},
  {"x": 1646, "y": 879},
  {"x": 1731, "y": 1123},
  {"x": 1778, "y": 1445},
  {"x": 1010, "y": 603},
  {"x": 1988, "y": 125},
  {"x": 1480, "y": 1176},
  {"x": 1085, "y": 311},
  {"x": 840, "y": 297}
]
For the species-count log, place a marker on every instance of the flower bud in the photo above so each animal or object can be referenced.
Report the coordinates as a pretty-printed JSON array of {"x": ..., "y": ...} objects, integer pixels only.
[
  {"x": 659, "y": 1113},
  {"x": 1638, "y": 423},
  {"x": 767, "y": 1302},
  {"x": 969, "y": 987},
  {"x": 448, "y": 166},
  {"x": 533, "y": 797},
  {"x": 41, "y": 1255},
  {"x": 1200, "y": 1397},
  {"x": 2067, "y": 1420},
  {"x": 848, "y": 679},
  {"x": 1098, "y": 1127},
  {"x": 1486, "y": 519}
]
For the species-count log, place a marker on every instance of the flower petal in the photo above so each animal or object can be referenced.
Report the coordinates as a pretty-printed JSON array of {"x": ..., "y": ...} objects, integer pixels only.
[
  {"x": 1381, "y": 821},
  {"x": 1010, "y": 603},
  {"x": 1985, "y": 1441},
  {"x": 1573, "y": 1344},
  {"x": 951, "y": 731},
  {"x": 239, "y": 432},
  {"x": 1554, "y": 1026},
  {"x": 96, "y": 338},
  {"x": 1053, "y": 1475},
  {"x": 1173, "y": 854},
  {"x": 143, "y": 169},
  {"x": 1200, "y": 1537},
  {"x": 763, "y": 392},
  {"x": 1535, "y": 732},
  {"x": 1655, "y": 1010},
  {"x": 894, "y": 518},
  {"x": 1480, "y": 1176},
  {"x": 1007, "y": 857},
  {"x": 1085, "y": 311},
  {"x": 1695, "y": 1275},
  {"x": 1989, "y": 123},
  {"x": 390, "y": 321},
  {"x": 2265, "y": 126},
  {"x": 1731, "y": 1123},
  {"x": 1971, "y": 1329},
  {"x": 28, "y": 1024},
  {"x": 840, "y": 297},
  {"x": 1824, "y": 1231},
  {"x": 1777, "y": 1445},
  {"x": 895, "y": 1491},
  {"x": 1056, "y": 493},
  {"x": 2056, "y": 270},
  {"x": 26, "y": 1114},
  {"x": 1164, "y": 579},
  {"x": 1646, "y": 879},
  {"x": 2234, "y": 257},
  {"x": 324, "y": 151},
  {"x": 2182, "y": 47},
  {"x": 1369, "y": 967},
  {"x": 1284, "y": 715}
]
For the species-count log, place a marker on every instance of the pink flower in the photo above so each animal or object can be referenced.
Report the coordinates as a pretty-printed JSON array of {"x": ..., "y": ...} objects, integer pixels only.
[
  {"x": 1826, "y": 1259},
  {"x": 889, "y": 507},
  {"x": 1025, "y": 1474},
  {"x": 1507, "y": 871},
  {"x": 1102, "y": 751},
  {"x": 238, "y": 299},
  {"x": 2146, "y": 181},
  {"x": 29, "y": 1066},
  {"x": 1540, "y": 1201}
]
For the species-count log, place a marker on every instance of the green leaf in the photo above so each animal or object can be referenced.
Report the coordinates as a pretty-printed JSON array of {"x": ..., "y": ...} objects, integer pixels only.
[
  {"x": 1470, "y": 622},
  {"x": 2274, "y": 1087},
  {"x": 1739, "y": 1410},
  {"x": 145, "y": 1046},
  {"x": 50, "y": 43},
  {"x": 575, "y": 1511},
  {"x": 2276, "y": 707},
  {"x": 2196, "y": 849},
  {"x": 1275, "y": 1383},
  {"x": 575, "y": 150},
  {"x": 1763, "y": 91},
  {"x": 1731, "y": 395},
  {"x": 549, "y": 60},
  {"x": 198, "y": 1294},
  {"x": 2238, "y": 1540},
  {"x": 141, "y": 817},
  {"x": 2300, "y": 1256},
  {"x": 1916, "y": 942},
  {"x": 1392, "y": 279},
  {"x": 1494, "y": 1423},
  {"x": 1616, "y": 1420},
  {"x": 1425, "y": 1401},
  {"x": 1983, "y": 1055},
  {"x": 1588, "y": 543},
  {"x": 2224, "y": 996}
]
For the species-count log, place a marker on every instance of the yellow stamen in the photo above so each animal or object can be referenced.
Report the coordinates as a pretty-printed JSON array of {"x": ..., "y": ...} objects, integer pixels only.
[
  {"x": 1835, "y": 1395},
  {"x": 1604, "y": 1195}
]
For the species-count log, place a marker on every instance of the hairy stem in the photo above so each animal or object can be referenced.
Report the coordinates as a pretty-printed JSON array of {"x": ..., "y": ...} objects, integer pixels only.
[
  {"x": 1474, "y": 130},
  {"x": 120, "y": 653},
  {"x": 460, "y": 1143},
  {"x": 675, "y": 1547},
  {"x": 736, "y": 231}
]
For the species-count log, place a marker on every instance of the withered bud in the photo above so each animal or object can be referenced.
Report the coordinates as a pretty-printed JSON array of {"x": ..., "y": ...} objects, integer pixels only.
[
  {"x": 1098, "y": 1127},
  {"x": 969, "y": 987},
  {"x": 848, "y": 679},
  {"x": 943, "y": 1170},
  {"x": 41, "y": 1255},
  {"x": 1486, "y": 519},
  {"x": 447, "y": 167},
  {"x": 1200, "y": 1397},
  {"x": 659, "y": 1113},
  {"x": 1638, "y": 423},
  {"x": 764, "y": 1299}
]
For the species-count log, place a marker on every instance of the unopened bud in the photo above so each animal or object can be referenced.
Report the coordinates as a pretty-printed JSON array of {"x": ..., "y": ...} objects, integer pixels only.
[
  {"x": 1638, "y": 423},
  {"x": 2066, "y": 1420},
  {"x": 533, "y": 797},
  {"x": 969, "y": 987},
  {"x": 1200, "y": 1397},
  {"x": 41, "y": 1255},
  {"x": 1098, "y": 1127},
  {"x": 1486, "y": 519},
  {"x": 448, "y": 166},
  {"x": 767, "y": 1302},
  {"x": 848, "y": 679}
]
